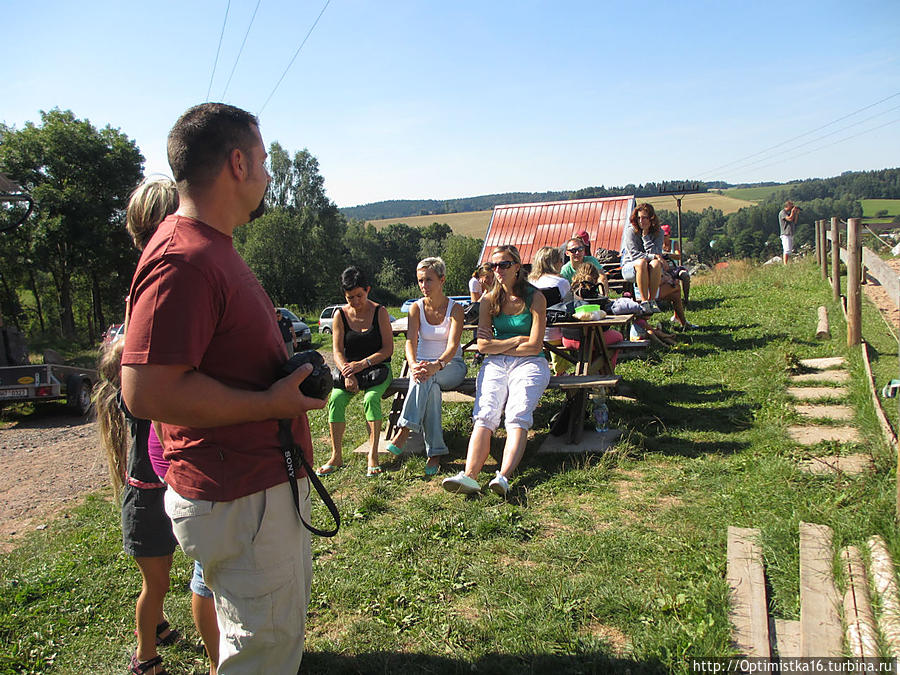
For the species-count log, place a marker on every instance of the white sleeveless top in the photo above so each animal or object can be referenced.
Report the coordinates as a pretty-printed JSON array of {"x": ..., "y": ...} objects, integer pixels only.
[{"x": 433, "y": 339}]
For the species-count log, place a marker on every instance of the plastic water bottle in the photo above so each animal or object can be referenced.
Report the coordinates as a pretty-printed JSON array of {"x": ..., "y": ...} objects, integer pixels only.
[{"x": 601, "y": 416}]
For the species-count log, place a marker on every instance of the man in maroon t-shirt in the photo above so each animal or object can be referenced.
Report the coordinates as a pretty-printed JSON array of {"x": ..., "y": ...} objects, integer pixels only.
[{"x": 203, "y": 355}]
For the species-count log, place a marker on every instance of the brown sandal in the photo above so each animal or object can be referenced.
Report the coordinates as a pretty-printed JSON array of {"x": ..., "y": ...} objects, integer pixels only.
[
  {"x": 149, "y": 667},
  {"x": 172, "y": 637}
]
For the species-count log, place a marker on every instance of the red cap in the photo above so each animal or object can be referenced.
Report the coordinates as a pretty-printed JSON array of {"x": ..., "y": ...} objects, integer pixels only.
[
  {"x": 584, "y": 236},
  {"x": 666, "y": 228}
]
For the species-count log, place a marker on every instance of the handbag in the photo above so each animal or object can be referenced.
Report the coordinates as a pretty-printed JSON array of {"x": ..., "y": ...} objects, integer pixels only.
[{"x": 367, "y": 377}]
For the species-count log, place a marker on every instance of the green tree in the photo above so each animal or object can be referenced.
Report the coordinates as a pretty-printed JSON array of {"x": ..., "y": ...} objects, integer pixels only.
[
  {"x": 461, "y": 256},
  {"x": 294, "y": 247},
  {"x": 80, "y": 178}
]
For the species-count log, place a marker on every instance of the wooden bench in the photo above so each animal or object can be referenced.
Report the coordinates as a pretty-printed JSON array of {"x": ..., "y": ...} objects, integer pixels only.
[{"x": 574, "y": 385}]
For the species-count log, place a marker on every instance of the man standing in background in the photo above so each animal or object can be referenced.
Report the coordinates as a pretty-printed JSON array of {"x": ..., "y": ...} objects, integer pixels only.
[{"x": 787, "y": 219}]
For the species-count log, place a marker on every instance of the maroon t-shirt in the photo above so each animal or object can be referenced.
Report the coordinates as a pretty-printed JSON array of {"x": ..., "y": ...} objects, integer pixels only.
[{"x": 195, "y": 302}]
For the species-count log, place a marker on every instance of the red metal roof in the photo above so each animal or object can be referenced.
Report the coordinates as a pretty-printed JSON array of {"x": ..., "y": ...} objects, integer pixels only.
[{"x": 529, "y": 227}]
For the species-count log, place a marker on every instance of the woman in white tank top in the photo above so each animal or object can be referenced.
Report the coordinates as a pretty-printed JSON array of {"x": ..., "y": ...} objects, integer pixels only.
[{"x": 435, "y": 362}]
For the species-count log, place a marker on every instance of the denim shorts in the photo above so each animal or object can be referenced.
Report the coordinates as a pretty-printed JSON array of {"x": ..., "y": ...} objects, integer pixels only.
[
  {"x": 197, "y": 585},
  {"x": 146, "y": 529}
]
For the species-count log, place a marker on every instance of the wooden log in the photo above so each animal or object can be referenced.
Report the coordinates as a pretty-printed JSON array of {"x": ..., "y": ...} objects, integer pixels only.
[
  {"x": 820, "y": 624},
  {"x": 881, "y": 568},
  {"x": 822, "y": 331},
  {"x": 835, "y": 260},
  {"x": 747, "y": 590},
  {"x": 862, "y": 636},
  {"x": 886, "y": 430},
  {"x": 854, "y": 292}
]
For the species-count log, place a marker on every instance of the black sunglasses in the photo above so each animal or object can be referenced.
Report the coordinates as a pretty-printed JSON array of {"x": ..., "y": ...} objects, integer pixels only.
[
  {"x": 505, "y": 265},
  {"x": 575, "y": 249}
]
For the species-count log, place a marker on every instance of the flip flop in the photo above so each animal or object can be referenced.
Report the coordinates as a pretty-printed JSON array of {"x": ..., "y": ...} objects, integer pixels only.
[
  {"x": 327, "y": 469},
  {"x": 393, "y": 449},
  {"x": 432, "y": 470},
  {"x": 373, "y": 471}
]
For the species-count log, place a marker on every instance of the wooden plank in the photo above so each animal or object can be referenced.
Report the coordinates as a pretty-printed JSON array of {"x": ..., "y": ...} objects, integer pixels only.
[
  {"x": 884, "y": 581},
  {"x": 787, "y": 638},
  {"x": 882, "y": 273},
  {"x": 862, "y": 637},
  {"x": 747, "y": 592},
  {"x": 820, "y": 623},
  {"x": 886, "y": 429}
]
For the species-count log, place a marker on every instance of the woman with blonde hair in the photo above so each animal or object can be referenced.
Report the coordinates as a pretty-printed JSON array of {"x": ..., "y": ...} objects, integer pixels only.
[
  {"x": 435, "y": 362},
  {"x": 511, "y": 322},
  {"x": 137, "y": 469},
  {"x": 545, "y": 274}
]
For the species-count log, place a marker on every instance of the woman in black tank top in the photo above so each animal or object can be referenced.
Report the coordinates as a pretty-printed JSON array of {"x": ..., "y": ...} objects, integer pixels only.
[{"x": 362, "y": 339}]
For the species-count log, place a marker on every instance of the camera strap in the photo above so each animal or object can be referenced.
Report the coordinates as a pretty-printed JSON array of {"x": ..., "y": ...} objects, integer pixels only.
[{"x": 293, "y": 454}]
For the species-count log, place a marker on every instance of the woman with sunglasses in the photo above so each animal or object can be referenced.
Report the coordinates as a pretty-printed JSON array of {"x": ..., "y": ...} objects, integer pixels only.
[
  {"x": 511, "y": 324},
  {"x": 576, "y": 249}
]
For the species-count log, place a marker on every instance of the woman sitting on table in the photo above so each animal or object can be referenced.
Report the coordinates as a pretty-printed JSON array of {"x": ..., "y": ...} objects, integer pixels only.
[
  {"x": 576, "y": 249},
  {"x": 642, "y": 261},
  {"x": 362, "y": 339},
  {"x": 545, "y": 275},
  {"x": 586, "y": 286},
  {"x": 435, "y": 362},
  {"x": 510, "y": 332},
  {"x": 482, "y": 280}
]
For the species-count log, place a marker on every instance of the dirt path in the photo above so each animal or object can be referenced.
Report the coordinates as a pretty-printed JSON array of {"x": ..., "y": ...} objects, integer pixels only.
[{"x": 48, "y": 460}]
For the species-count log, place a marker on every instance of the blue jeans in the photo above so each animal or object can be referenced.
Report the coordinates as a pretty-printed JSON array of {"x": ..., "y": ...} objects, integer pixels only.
[{"x": 422, "y": 407}]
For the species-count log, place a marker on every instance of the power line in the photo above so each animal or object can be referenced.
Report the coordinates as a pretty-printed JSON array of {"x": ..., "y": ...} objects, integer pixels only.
[
  {"x": 216, "y": 62},
  {"x": 327, "y": 2},
  {"x": 785, "y": 150},
  {"x": 241, "y": 50},
  {"x": 824, "y": 147},
  {"x": 790, "y": 140}
]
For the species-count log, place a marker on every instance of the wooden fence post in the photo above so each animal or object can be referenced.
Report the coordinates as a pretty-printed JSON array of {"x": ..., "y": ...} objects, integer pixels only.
[
  {"x": 835, "y": 260},
  {"x": 854, "y": 307}
]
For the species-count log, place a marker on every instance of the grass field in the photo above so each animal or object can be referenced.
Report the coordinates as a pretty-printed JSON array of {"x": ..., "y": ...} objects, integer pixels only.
[
  {"x": 755, "y": 194},
  {"x": 475, "y": 223},
  {"x": 607, "y": 563},
  {"x": 873, "y": 206}
]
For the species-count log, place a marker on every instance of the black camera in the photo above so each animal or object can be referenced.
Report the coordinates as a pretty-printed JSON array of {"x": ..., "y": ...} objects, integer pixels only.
[{"x": 318, "y": 383}]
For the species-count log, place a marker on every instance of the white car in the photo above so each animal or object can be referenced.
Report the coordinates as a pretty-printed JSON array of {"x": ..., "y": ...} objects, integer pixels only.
[{"x": 326, "y": 318}]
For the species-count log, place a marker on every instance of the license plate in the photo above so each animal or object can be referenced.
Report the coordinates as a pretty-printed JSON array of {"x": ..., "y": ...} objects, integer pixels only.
[{"x": 13, "y": 393}]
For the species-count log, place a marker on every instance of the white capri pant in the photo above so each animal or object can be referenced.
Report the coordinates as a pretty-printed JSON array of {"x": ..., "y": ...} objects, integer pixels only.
[
  {"x": 787, "y": 243},
  {"x": 510, "y": 386}
]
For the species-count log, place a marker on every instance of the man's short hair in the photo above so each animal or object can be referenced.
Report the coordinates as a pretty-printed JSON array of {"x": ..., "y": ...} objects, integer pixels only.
[{"x": 204, "y": 137}]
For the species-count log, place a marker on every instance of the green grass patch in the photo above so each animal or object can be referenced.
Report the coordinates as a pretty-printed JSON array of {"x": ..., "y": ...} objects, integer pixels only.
[
  {"x": 872, "y": 207},
  {"x": 594, "y": 564},
  {"x": 758, "y": 194}
]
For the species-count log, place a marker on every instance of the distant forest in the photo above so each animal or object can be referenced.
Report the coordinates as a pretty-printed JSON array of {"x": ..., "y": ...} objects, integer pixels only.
[{"x": 880, "y": 184}]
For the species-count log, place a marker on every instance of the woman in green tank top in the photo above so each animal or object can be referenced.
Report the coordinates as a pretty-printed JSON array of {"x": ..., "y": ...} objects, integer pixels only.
[{"x": 515, "y": 373}]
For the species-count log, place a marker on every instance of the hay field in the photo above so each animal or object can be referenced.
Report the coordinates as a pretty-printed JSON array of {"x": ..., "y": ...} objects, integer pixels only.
[
  {"x": 475, "y": 223},
  {"x": 872, "y": 206},
  {"x": 468, "y": 223}
]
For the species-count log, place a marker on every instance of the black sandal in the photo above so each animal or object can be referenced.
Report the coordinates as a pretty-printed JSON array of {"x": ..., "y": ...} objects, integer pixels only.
[
  {"x": 148, "y": 667},
  {"x": 172, "y": 637}
]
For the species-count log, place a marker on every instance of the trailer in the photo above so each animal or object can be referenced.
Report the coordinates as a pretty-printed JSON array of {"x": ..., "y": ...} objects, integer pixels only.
[{"x": 48, "y": 382}]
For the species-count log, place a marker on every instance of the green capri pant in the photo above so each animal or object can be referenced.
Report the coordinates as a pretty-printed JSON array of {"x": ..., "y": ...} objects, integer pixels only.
[{"x": 339, "y": 398}]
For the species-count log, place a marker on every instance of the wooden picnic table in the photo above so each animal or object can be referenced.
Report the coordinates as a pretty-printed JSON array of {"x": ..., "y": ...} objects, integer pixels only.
[{"x": 592, "y": 370}]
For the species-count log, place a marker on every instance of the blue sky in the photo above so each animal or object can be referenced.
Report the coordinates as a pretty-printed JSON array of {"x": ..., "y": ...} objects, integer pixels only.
[{"x": 413, "y": 100}]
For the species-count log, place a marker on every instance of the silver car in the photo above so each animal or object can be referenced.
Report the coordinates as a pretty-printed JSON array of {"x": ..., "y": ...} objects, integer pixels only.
[{"x": 304, "y": 334}]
